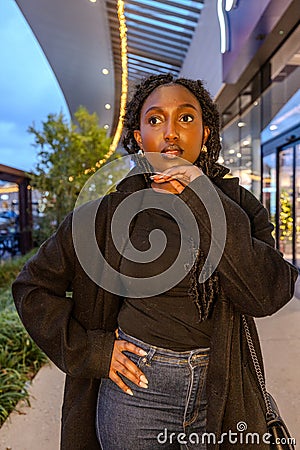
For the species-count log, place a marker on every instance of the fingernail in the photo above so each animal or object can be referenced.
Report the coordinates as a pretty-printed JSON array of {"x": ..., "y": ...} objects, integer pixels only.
[
  {"x": 129, "y": 391},
  {"x": 142, "y": 352},
  {"x": 143, "y": 379},
  {"x": 143, "y": 385}
]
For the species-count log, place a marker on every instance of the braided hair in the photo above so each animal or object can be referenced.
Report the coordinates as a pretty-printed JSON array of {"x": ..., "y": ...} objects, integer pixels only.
[
  {"x": 206, "y": 161},
  {"x": 203, "y": 294}
]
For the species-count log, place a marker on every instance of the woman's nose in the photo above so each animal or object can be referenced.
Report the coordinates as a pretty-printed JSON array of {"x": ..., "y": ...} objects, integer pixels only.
[{"x": 171, "y": 131}]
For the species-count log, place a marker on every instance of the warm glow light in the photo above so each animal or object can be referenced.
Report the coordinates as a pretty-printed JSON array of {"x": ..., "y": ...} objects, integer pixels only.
[
  {"x": 8, "y": 190},
  {"x": 124, "y": 90},
  {"x": 246, "y": 142},
  {"x": 123, "y": 37},
  {"x": 241, "y": 124},
  {"x": 239, "y": 155},
  {"x": 231, "y": 151},
  {"x": 93, "y": 1}
]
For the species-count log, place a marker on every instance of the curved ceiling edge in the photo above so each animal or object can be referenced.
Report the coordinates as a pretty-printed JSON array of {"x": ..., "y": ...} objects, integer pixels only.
[{"x": 75, "y": 38}]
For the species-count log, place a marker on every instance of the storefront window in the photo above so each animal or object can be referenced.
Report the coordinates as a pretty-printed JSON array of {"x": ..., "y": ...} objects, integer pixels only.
[
  {"x": 285, "y": 190},
  {"x": 297, "y": 205},
  {"x": 269, "y": 186},
  {"x": 280, "y": 102},
  {"x": 241, "y": 148}
]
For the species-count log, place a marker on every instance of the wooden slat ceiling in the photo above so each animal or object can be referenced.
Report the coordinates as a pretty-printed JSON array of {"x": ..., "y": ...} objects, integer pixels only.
[{"x": 158, "y": 36}]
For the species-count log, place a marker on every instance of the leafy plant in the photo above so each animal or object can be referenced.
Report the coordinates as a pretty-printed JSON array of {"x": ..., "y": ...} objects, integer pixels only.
[
  {"x": 12, "y": 390},
  {"x": 9, "y": 269},
  {"x": 20, "y": 358},
  {"x": 67, "y": 153},
  {"x": 285, "y": 217}
]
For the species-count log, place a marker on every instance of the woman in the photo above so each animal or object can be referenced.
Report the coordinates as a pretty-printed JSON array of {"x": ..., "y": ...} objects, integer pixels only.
[{"x": 173, "y": 361}]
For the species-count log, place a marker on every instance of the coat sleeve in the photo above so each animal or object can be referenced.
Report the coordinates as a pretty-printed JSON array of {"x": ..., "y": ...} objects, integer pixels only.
[
  {"x": 253, "y": 274},
  {"x": 41, "y": 297}
]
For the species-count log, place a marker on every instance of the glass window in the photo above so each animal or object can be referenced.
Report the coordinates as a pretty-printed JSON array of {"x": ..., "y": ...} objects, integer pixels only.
[
  {"x": 280, "y": 103},
  {"x": 297, "y": 205},
  {"x": 241, "y": 149},
  {"x": 269, "y": 186},
  {"x": 285, "y": 210}
]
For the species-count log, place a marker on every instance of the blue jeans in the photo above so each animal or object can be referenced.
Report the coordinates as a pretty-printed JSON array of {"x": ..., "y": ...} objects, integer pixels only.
[{"x": 170, "y": 414}]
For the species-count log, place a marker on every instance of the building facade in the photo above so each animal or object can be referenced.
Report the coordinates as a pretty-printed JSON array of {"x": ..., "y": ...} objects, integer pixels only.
[{"x": 259, "y": 101}]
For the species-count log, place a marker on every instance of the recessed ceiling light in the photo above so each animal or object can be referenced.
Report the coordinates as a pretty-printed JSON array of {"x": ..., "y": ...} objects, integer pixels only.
[
  {"x": 106, "y": 126},
  {"x": 107, "y": 106},
  {"x": 273, "y": 127},
  {"x": 241, "y": 124},
  {"x": 93, "y": 1},
  {"x": 231, "y": 151},
  {"x": 239, "y": 155},
  {"x": 246, "y": 143},
  {"x": 105, "y": 71}
]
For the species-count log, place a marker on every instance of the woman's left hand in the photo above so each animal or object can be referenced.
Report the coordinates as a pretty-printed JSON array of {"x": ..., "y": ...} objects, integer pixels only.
[{"x": 178, "y": 176}]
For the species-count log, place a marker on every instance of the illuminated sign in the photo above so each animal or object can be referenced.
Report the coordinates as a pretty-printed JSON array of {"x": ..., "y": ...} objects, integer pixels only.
[{"x": 223, "y": 8}]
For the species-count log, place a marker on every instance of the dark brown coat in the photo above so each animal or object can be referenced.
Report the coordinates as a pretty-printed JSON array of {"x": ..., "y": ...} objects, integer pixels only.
[{"x": 77, "y": 333}]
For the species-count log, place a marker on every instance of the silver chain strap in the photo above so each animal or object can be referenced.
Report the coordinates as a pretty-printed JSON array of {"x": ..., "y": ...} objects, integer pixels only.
[{"x": 270, "y": 414}]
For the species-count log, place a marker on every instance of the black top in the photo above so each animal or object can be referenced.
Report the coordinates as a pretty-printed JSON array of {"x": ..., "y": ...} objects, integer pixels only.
[{"x": 169, "y": 319}]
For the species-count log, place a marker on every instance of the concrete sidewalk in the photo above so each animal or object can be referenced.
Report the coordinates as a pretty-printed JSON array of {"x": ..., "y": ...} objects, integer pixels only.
[{"x": 37, "y": 428}]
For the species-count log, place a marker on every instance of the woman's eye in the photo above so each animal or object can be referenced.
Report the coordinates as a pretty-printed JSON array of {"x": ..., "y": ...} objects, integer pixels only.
[
  {"x": 154, "y": 120},
  {"x": 186, "y": 118}
]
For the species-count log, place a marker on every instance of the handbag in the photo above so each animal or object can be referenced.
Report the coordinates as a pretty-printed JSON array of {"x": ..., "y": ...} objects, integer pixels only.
[{"x": 280, "y": 437}]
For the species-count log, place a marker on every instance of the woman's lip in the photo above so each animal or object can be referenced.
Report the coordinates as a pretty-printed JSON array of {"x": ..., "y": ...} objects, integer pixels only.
[
  {"x": 172, "y": 151},
  {"x": 172, "y": 154}
]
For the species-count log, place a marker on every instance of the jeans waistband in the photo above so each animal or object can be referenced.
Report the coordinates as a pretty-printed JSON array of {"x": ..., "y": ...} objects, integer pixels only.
[{"x": 159, "y": 351}]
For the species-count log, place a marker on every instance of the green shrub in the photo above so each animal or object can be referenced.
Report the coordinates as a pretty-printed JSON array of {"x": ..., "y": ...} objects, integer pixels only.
[
  {"x": 10, "y": 268},
  {"x": 20, "y": 358},
  {"x": 12, "y": 389}
]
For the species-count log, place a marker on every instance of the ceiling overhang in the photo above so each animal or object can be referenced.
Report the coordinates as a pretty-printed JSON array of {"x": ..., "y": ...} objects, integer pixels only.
[
  {"x": 75, "y": 38},
  {"x": 79, "y": 38}
]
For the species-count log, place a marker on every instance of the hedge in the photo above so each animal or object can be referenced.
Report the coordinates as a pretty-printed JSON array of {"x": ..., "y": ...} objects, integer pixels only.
[{"x": 20, "y": 358}]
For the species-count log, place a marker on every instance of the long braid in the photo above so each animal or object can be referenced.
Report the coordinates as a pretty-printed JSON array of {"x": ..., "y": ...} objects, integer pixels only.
[
  {"x": 209, "y": 290},
  {"x": 203, "y": 294},
  {"x": 144, "y": 167}
]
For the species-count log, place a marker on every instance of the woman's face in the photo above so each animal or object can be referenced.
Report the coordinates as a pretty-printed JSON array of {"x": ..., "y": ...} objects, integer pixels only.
[{"x": 171, "y": 127}]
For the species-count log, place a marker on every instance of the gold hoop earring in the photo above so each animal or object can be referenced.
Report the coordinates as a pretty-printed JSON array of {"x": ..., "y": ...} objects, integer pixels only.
[{"x": 204, "y": 149}]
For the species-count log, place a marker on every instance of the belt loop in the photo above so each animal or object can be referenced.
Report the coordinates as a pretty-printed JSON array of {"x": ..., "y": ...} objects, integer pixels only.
[{"x": 147, "y": 359}]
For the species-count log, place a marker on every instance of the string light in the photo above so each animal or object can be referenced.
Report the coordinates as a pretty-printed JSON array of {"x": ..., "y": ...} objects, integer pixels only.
[{"x": 124, "y": 89}]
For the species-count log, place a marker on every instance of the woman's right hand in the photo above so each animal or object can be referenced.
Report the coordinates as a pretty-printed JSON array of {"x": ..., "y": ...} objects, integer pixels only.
[{"x": 121, "y": 364}]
